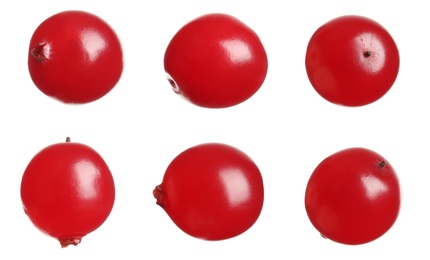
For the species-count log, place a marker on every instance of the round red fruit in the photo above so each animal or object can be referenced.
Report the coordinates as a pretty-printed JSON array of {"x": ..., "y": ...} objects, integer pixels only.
[
  {"x": 352, "y": 61},
  {"x": 67, "y": 191},
  {"x": 216, "y": 61},
  {"x": 353, "y": 196},
  {"x": 75, "y": 57},
  {"x": 212, "y": 191}
]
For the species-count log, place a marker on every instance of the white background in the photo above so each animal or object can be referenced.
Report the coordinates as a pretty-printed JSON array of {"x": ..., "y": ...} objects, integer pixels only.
[{"x": 286, "y": 127}]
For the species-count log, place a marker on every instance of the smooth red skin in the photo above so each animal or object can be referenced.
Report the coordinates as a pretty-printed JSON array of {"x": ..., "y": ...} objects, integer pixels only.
[
  {"x": 67, "y": 191},
  {"x": 337, "y": 65},
  {"x": 216, "y": 61},
  {"x": 350, "y": 199},
  {"x": 212, "y": 191},
  {"x": 82, "y": 60}
]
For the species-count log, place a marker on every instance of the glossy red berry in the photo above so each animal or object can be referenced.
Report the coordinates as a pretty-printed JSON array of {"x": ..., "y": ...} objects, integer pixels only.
[
  {"x": 212, "y": 191},
  {"x": 75, "y": 57},
  {"x": 353, "y": 196},
  {"x": 67, "y": 191},
  {"x": 352, "y": 61},
  {"x": 216, "y": 61}
]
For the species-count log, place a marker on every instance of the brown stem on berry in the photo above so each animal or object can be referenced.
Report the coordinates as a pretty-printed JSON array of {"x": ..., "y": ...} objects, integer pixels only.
[
  {"x": 40, "y": 52},
  {"x": 382, "y": 164},
  {"x": 367, "y": 54},
  {"x": 65, "y": 242},
  {"x": 158, "y": 193},
  {"x": 67, "y": 139}
]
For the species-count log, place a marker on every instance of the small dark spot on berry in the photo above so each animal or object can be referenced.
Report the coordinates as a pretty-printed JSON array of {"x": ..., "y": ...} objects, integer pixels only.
[{"x": 367, "y": 54}]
